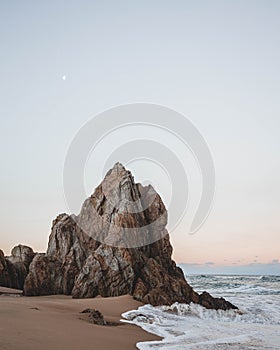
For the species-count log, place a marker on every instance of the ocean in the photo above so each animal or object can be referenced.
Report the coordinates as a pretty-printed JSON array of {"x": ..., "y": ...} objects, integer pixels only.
[{"x": 256, "y": 325}]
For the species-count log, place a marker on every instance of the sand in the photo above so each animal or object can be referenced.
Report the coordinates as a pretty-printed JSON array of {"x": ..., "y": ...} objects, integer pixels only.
[{"x": 54, "y": 322}]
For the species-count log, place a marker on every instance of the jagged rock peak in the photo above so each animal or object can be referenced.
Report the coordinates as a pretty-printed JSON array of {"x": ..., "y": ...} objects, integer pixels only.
[
  {"x": 121, "y": 213},
  {"x": 119, "y": 183},
  {"x": 119, "y": 169},
  {"x": 117, "y": 174}
]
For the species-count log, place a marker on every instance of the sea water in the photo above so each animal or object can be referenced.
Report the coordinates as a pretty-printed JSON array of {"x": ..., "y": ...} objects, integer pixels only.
[{"x": 256, "y": 325}]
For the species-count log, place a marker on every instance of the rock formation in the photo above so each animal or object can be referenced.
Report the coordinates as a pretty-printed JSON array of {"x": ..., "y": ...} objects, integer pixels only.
[
  {"x": 14, "y": 269},
  {"x": 117, "y": 245}
]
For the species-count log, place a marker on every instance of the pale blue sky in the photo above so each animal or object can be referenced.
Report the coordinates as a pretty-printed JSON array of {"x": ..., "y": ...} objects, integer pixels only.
[{"x": 217, "y": 62}]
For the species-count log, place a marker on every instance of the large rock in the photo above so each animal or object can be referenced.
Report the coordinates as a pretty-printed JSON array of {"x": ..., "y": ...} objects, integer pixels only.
[
  {"x": 55, "y": 271},
  {"x": 117, "y": 245},
  {"x": 14, "y": 268},
  {"x": 7, "y": 272}
]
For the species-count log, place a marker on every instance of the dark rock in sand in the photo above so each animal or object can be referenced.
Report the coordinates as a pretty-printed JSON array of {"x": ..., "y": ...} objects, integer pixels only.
[
  {"x": 95, "y": 317},
  {"x": 77, "y": 263}
]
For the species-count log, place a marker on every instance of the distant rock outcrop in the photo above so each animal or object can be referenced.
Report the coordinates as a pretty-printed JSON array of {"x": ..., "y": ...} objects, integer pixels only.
[
  {"x": 117, "y": 245},
  {"x": 14, "y": 268}
]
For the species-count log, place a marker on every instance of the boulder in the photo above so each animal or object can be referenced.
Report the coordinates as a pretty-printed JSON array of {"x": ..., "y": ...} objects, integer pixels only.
[{"x": 14, "y": 268}]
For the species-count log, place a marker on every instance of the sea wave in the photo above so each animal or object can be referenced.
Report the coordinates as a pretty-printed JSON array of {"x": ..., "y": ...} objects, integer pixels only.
[{"x": 256, "y": 325}]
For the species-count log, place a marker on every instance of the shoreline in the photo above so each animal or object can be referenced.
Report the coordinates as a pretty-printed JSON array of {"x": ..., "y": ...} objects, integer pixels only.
[{"x": 55, "y": 322}]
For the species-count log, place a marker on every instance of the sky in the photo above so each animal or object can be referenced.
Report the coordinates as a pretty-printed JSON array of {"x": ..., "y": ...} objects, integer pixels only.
[{"x": 216, "y": 62}]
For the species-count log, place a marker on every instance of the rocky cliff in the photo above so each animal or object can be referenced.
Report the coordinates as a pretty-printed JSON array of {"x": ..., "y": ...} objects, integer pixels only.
[{"x": 117, "y": 245}]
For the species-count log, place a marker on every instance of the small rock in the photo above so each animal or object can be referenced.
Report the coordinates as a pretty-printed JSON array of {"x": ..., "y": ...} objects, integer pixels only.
[{"x": 95, "y": 317}]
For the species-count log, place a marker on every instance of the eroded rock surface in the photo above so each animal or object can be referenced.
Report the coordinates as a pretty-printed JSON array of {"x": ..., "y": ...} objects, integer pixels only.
[
  {"x": 117, "y": 245},
  {"x": 14, "y": 268}
]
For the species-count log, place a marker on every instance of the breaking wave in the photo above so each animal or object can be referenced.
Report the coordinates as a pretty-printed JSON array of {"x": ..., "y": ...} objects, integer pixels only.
[{"x": 256, "y": 325}]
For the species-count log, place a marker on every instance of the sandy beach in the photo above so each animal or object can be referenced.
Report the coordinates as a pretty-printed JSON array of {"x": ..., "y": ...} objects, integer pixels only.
[{"x": 55, "y": 322}]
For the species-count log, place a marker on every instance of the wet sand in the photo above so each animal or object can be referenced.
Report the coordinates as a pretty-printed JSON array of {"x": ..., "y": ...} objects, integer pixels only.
[{"x": 55, "y": 322}]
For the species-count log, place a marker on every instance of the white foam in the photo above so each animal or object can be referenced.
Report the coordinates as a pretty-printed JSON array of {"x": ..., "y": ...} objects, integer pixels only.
[
  {"x": 193, "y": 327},
  {"x": 256, "y": 325}
]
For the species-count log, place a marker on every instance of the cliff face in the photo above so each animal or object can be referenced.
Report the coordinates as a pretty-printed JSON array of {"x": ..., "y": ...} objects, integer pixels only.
[{"x": 117, "y": 245}]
